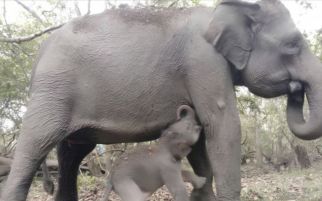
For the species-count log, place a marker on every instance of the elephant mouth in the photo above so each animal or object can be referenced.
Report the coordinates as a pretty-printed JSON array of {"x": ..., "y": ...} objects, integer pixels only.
[
  {"x": 296, "y": 91},
  {"x": 269, "y": 90},
  {"x": 295, "y": 86}
]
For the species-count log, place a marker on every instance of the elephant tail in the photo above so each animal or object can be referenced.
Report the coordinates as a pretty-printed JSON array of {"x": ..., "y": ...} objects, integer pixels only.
[{"x": 108, "y": 188}]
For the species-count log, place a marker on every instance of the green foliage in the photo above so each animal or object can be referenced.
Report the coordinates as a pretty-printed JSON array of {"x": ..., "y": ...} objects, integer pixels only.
[
  {"x": 15, "y": 67},
  {"x": 305, "y": 3},
  {"x": 195, "y": 2},
  {"x": 86, "y": 180},
  {"x": 316, "y": 44},
  {"x": 16, "y": 62}
]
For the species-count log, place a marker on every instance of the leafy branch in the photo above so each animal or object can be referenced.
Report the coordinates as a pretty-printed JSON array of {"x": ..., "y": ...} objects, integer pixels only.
[
  {"x": 30, "y": 37},
  {"x": 32, "y": 12}
]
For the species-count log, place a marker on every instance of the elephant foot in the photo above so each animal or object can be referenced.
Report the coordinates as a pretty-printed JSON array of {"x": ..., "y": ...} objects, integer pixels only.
[{"x": 202, "y": 195}]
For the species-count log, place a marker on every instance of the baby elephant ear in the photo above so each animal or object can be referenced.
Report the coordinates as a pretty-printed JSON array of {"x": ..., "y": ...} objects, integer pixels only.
[{"x": 185, "y": 111}]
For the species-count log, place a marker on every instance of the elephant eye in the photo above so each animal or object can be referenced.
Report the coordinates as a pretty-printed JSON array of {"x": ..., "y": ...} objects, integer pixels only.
[
  {"x": 292, "y": 44},
  {"x": 292, "y": 47}
]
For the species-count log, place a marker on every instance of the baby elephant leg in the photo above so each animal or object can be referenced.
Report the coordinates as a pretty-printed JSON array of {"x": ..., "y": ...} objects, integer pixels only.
[
  {"x": 196, "y": 181},
  {"x": 128, "y": 190}
]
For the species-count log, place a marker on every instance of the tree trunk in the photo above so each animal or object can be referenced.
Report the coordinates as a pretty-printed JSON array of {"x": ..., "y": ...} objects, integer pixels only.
[
  {"x": 108, "y": 159},
  {"x": 302, "y": 157},
  {"x": 259, "y": 155}
]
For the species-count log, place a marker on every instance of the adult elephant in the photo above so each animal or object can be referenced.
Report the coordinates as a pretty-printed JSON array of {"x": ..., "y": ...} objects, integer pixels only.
[{"x": 119, "y": 77}]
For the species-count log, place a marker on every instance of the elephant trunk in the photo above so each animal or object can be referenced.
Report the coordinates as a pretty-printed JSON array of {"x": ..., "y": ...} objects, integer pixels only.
[{"x": 311, "y": 127}]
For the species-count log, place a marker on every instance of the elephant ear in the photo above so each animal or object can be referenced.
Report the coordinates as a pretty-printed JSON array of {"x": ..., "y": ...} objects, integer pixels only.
[
  {"x": 185, "y": 111},
  {"x": 230, "y": 31}
]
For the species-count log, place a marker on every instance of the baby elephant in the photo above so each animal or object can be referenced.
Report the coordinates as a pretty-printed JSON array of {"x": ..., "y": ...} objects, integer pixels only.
[{"x": 137, "y": 175}]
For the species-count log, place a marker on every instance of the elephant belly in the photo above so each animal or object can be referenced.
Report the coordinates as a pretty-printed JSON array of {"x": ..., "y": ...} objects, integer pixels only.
[
  {"x": 131, "y": 111},
  {"x": 109, "y": 132},
  {"x": 121, "y": 120}
]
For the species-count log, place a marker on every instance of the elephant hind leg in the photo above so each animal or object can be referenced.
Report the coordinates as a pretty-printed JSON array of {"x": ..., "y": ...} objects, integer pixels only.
[
  {"x": 44, "y": 125},
  {"x": 70, "y": 156},
  {"x": 198, "y": 158}
]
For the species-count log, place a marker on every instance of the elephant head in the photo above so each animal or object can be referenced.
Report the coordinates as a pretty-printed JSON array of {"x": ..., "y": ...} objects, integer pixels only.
[{"x": 270, "y": 57}]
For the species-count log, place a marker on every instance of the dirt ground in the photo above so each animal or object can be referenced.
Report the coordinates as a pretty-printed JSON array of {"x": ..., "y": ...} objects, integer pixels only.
[
  {"x": 257, "y": 184},
  {"x": 91, "y": 189}
]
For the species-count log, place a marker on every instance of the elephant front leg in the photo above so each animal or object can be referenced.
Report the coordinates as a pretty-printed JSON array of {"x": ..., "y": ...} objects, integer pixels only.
[
  {"x": 222, "y": 147},
  {"x": 212, "y": 93},
  {"x": 224, "y": 150}
]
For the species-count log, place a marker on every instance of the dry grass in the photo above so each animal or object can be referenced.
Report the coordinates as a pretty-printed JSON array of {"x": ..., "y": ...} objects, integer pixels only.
[{"x": 295, "y": 185}]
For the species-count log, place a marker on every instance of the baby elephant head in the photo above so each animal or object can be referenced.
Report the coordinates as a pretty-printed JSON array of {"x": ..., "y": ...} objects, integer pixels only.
[
  {"x": 183, "y": 133},
  {"x": 187, "y": 124}
]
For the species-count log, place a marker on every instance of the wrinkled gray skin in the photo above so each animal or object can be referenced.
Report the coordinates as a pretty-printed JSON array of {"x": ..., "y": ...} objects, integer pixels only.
[
  {"x": 48, "y": 184},
  {"x": 119, "y": 77},
  {"x": 140, "y": 173}
]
